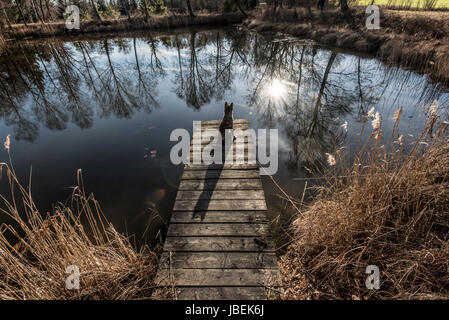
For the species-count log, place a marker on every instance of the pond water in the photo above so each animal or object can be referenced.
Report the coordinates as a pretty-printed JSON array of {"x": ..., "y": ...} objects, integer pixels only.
[{"x": 107, "y": 105}]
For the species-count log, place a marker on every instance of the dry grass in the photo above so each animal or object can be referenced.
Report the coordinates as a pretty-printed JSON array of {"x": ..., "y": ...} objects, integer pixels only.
[
  {"x": 390, "y": 209},
  {"x": 405, "y": 4},
  {"x": 36, "y": 249},
  {"x": 37, "y": 30},
  {"x": 415, "y": 40}
]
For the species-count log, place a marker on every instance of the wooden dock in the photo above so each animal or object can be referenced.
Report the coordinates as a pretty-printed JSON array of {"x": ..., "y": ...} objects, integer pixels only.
[{"x": 218, "y": 245}]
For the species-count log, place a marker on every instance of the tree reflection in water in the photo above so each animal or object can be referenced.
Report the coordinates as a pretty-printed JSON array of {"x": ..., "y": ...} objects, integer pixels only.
[{"x": 295, "y": 86}]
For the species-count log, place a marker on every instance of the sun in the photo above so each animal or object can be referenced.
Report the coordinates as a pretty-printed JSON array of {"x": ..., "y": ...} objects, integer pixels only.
[{"x": 276, "y": 89}]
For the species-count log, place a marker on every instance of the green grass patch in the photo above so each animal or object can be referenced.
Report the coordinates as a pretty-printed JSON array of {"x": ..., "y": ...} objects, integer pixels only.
[{"x": 422, "y": 4}]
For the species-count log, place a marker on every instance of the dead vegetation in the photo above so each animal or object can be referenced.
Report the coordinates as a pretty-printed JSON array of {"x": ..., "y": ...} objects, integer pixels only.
[
  {"x": 417, "y": 40},
  {"x": 36, "y": 249},
  {"x": 38, "y": 30},
  {"x": 389, "y": 209}
]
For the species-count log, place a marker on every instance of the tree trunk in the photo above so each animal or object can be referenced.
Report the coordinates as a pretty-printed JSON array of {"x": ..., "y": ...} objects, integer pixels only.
[
  {"x": 125, "y": 4},
  {"x": 145, "y": 7},
  {"x": 346, "y": 12},
  {"x": 97, "y": 15},
  {"x": 237, "y": 2},
  {"x": 189, "y": 7},
  {"x": 320, "y": 94},
  {"x": 309, "y": 9},
  {"x": 6, "y": 15},
  {"x": 42, "y": 10},
  {"x": 19, "y": 7},
  {"x": 48, "y": 10},
  {"x": 344, "y": 5},
  {"x": 33, "y": 4}
]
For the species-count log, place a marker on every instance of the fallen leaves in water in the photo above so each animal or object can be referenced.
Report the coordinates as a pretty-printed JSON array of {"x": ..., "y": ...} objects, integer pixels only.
[{"x": 149, "y": 153}]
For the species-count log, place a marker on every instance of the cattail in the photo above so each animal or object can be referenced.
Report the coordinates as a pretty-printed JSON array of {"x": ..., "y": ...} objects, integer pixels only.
[
  {"x": 397, "y": 115},
  {"x": 7, "y": 141},
  {"x": 331, "y": 159},
  {"x": 371, "y": 112},
  {"x": 433, "y": 108},
  {"x": 376, "y": 121},
  {"x": 400, "y": 139}
]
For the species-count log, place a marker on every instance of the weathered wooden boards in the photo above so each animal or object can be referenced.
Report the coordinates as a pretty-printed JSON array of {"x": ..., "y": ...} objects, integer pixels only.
[{"x": 218, "y": 244}]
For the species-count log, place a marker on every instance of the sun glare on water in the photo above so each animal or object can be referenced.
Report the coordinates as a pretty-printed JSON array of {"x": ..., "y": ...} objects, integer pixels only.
[{"x": 276, "y": 89}]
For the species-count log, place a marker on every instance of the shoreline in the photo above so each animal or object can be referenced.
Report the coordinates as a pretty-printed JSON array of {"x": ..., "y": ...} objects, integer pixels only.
[
  {"x": 48, "y": 30},
  {"x": 414, "y": 40},
  {"x": 402, "y": 42}
]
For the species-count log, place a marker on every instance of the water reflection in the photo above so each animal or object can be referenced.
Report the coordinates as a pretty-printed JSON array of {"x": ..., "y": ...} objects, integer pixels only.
[{"x": 168, "y": 80}]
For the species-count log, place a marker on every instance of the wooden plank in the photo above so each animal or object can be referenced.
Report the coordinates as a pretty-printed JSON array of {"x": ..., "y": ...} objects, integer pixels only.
[
  {"x": 238, "y": 126},
  {"x": 187, "y": 205},
  {"x": 217, "y": 229},
  {"x": 242, "y": 151},
  {"x": 208, "y": 135},
  {"x": 245, "y": 244},
  {"x": 235, "y": 160},
  {"x": 218, "y": 244},
  {"x": 217, "y": 122},
  {"x": 249, "y": 184},
  {"x": 223, "y": 152},
  {"x": 220, "y": 174},
  {"x": 218, "y": 277},
  {"x": 245, "y": 166},
  {"x": 218, "y": 260},
  {"x": 234, "y": 152},
  {"x": 222, "y": 293},
  {"x": 196, "y": 134},
  {"x": 204, "y": 141},
  {"x": 221, "y": 195},
  {"x": 219, "y": 216}
]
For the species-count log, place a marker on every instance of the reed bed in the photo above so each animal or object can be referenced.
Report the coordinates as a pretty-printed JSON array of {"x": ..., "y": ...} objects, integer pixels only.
[
  {"x": 38, "y": 251},
  {"x": 390, "y": 208},
  {"x": 417, "y": 40},
  {"x": 158, "y": 22}
]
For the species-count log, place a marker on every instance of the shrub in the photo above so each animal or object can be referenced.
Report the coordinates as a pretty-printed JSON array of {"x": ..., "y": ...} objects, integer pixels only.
[{"x": 159, "y": 7}]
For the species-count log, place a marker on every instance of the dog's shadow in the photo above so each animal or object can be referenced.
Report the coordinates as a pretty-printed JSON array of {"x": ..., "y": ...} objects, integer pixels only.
[{"x": 212, "y": 176}]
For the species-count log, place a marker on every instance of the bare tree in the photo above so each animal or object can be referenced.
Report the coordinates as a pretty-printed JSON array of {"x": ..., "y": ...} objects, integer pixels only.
[
  {"x": 5, "y": 14},
  {"x": 237, "y": 2},
  {"x": 189, "y": 7},
  {"x": 145, "y": 7},
  {"x": 94, "y": 6}
]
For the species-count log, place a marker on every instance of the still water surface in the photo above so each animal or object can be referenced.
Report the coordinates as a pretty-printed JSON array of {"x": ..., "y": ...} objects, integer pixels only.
[{"x": 107, "y": 105}]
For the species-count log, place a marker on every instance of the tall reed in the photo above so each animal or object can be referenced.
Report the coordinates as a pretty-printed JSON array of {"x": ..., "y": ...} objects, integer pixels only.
[
  {"x": 390, "y": 208},
  {"x": 37, "y": 248}
]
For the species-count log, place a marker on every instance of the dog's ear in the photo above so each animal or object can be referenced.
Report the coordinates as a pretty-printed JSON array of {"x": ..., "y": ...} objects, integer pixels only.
[
  {"x": 226, "y": 105},
  {"x": 232, "y": 105}
]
